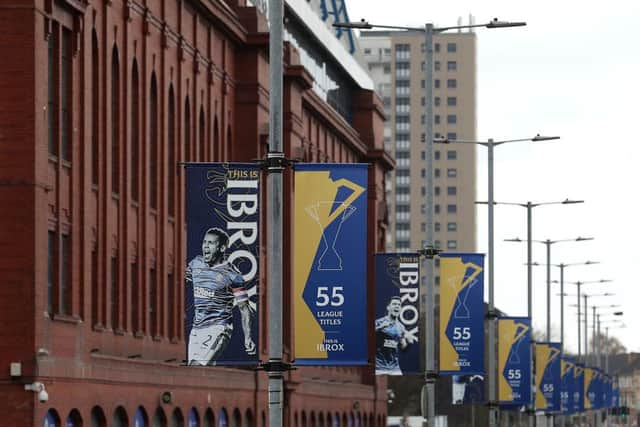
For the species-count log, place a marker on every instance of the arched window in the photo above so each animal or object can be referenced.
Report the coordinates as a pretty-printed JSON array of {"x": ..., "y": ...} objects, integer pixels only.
[
  {"x": 209, "y": 419},
  {"x": 51, "y": 419},
  {"x": 248, "y": 418},
  {"x": 201, "y": 131},
  {"x": 135, "y": 132},
  {"x": 177, "y": 420},
  {"x": 153, "y": 142},
  {"x": 74, "y": 419},
  {"x": 97, "y": 417},
  {"x": 120, "y": 418},
  {"x": 237, "y": 418},
  {"x": 172, "y": 152},
  {"x": 159, "y": 419},
  {"x": 95, "y": 109},
  {"x": 115, "y": 121},
  {"x": 187, "y": 131},
  {"x": 303, "y": 419},
  {"x": 140, "y": 418},
  {"x": 193, "y": 418},
  {"x": 222, "y": 418}
]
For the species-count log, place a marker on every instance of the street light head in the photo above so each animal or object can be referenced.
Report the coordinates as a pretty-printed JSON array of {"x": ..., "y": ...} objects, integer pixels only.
[
  {"x": 515, "y": 239},
  {"x": 496, "y": 23},
  {"x": 540, "y": 138},
  {"x": 572, "y": 202},
  {"x": 618, "y": 313},
  {"x": 362, "y": 25},
  {"x": 582, "y": 239}
]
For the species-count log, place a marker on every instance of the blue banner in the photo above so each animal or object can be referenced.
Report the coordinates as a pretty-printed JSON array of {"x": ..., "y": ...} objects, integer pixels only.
[
  {"x": 397, "y": 317},
  {"x": 615, "y": 393},
  {"x": 606, "y": 390},
  {"x": 578, "y": 388},
  {"x": 461, "y": 314},
  {"x": 568, "y": 384},
  {"x": 589, "y": 389},
  {"x": 221, "y": 275},
  {"x": 330, "y": 270},
  {"x": 598, "y": 386},
  {"x": 467, "y": 389},
  {"x": 514, "y": 360},
  {"x": 548, "y": 357}
]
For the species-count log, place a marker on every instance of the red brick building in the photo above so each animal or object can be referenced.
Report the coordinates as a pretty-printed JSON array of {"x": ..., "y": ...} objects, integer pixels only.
[{"x": 100, "y": 101}]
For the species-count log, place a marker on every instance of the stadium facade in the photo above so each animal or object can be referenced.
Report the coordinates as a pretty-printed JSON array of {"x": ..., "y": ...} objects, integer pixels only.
[{"x": 102, "y": 101}]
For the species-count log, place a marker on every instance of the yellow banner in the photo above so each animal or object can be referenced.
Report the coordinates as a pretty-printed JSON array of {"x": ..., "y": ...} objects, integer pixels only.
[
  {"x": 544, "y": 355},
  {"x": 461, "y": 316},
  {"x": 588, "y": 377},
  {"x": 316, "y": 208},
  {"x": 510, "y": 331}
]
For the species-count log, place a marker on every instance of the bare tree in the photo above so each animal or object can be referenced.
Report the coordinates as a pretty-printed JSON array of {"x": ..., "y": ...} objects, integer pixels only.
[{"x": 612, "y": 345}]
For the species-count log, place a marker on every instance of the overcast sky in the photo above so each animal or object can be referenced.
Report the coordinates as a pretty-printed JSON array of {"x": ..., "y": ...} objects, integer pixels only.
[{"x": 573, "y": 71}]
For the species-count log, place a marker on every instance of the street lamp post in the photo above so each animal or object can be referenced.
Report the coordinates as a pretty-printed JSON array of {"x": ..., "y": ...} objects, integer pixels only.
[
  {"x": 578, "y": 286},
  {"x": 606, "y": 358},
  {"x": 586, "y": 322},
  {"x": 529, "y": 206},
  {"x": 562, "y": 266},
  {"x": 598, "y": 335},
  {"x": 275, "y": 181},
  {"x": 491, "y": 315},
  {"x": 429, "y": 30},
  {"x": 594, "y": 343},
  {"x": 562, "y": 294},
  {"x": 548, "y": 243}
]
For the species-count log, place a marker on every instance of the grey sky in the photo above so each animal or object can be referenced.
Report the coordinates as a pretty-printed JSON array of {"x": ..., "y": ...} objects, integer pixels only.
[{"x": 573, "y": 71}]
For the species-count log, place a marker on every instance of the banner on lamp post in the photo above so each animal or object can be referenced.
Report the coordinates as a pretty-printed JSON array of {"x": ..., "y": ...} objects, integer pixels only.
[
  {"x": 222, "y": 274},
  {"x": 548, "y": 357},
  {"x": 330, "y": 270},
  {"x": 514, "y": 360},
  {"x": 615, "y": 393},
  {"x": 578, "y": 391},
  {"x": 589, "y": 389},
  {"x": 397, "y": 316},
  {"x": 461, "y": 314},
  {"x": 567, "y": 367}
]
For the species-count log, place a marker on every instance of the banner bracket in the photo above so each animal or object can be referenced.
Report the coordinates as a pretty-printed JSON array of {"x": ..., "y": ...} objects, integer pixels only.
[
  {"x": 492, "y": 404},
  {"x": 431, "y": 376},
  {"x": 276, "y": 366},
  {"x": 492, "y": 314},
  {"x": 429, "y": 252},
  {"x": 275, "y": 162}
]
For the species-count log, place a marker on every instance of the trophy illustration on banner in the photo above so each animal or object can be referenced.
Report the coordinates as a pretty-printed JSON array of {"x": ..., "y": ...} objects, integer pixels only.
[
  {"x": 330, "y": 216},
  {"x": 514, "y": 356},
  {"x": 553, "y": 353},
  {"x": 462, "y": 311}
]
